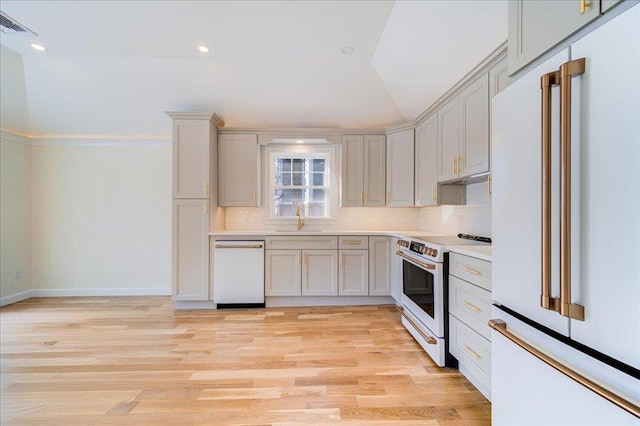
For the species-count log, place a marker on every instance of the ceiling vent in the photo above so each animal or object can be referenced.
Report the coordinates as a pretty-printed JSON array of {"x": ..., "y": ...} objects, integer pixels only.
[{"x": 8, "y": 25}]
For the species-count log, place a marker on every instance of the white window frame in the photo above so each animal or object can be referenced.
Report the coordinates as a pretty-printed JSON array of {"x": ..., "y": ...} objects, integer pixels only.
[{"x": 320, "y": 151}]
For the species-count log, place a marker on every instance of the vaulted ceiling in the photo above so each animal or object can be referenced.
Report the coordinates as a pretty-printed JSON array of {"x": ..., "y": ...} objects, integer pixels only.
[{"x": 113, "y": 68}]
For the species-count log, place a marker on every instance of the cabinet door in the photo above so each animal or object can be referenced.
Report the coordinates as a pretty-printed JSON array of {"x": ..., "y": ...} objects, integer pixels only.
[
  {"x": 473, "y": 157},
  {"x": 498, "y": 78},
  {"x": 353, "y": 273},
  {"x": 319, "y": 272},
  {"x": 282, "y": 273},
  {"x": 374, "y": 170},
  {"x": 426, "y": 164},
  {"x": 238, "y": 170},
  {"x": 190, "y": 250},
  {"x": 528, "y": 38},
  {"x": 396, "y": 272},
  {"x": 448, "y": 140},
  {"x": 400, "y": 168},
  {"x": 352, "y": 193},
  {"x": 380, "y": 266},
  {"x": 191, "y": 151}
]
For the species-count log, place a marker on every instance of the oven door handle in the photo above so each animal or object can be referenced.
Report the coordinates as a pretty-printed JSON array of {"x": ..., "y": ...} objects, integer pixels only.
[{"x": 416, "y": 262}]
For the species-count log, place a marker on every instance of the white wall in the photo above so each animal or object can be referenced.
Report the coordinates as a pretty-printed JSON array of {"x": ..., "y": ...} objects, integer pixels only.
[
  {"x": 101, "y": 217},
  {"x": 15, "y": 218}
]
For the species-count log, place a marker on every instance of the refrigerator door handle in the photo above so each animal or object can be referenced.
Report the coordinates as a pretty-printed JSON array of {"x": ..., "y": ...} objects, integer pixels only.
[
  {"x": 547, "y": 81},
  {"x": 567, "y": 71},
  {"x": 501, "y": 327}
]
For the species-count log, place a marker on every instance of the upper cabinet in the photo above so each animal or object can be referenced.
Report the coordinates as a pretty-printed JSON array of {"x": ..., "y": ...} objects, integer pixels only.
[
  {"x": 463, "y": 132},
  {"x": 400, "y": 162},
  {"x": 363, "y": 170},
  {"x": 238, "y": 170},
  {"x": 536, "y": 26},
  {"x": 192, "y": 141},
  {"x": 426, "y": 162}
]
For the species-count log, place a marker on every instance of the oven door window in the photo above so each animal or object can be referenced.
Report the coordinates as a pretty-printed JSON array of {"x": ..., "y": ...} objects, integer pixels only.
[{"x": 417, "y": 285}]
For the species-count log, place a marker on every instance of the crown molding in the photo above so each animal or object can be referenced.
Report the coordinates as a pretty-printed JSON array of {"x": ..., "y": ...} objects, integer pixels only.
[
  {"x": 85, "y": 140},
  {"x": 196, "y": 115}
]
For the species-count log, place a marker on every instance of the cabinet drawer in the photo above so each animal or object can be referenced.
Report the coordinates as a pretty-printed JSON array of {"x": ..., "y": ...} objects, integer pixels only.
[
  {"x": 471, "y": 349},
  {"x": 353, "y": 243},
  {"x": 470, "y": 304},
  {"x": 301, "y": 243},
  {"x": 476, "y": 271}
]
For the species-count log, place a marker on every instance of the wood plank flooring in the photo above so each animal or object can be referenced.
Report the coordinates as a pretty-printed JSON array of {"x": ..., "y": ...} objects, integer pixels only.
[{"x": 135, "y": 360}]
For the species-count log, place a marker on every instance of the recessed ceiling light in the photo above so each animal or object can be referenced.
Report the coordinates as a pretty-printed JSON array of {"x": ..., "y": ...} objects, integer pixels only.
[
  {"x": 348, "y": 50},
  {"x": 38, "y": 47},
  {"x": 203, "y": 49}
]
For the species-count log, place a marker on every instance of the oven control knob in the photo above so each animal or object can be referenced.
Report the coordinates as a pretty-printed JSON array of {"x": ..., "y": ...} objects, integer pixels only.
[
  {"x": 423, "y": 250},
  {"x": 430, "y": 252},
  {"x": 434, "y": 252},
  {"x": 403, "y": 243}
]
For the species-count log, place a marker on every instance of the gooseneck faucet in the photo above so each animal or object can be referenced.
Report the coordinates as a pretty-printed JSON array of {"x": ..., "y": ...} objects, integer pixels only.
[{"x": 300, "y": 217}]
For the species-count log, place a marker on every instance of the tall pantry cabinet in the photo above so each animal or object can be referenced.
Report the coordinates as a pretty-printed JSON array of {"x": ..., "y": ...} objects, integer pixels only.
[{"x": 194, "y": 197}]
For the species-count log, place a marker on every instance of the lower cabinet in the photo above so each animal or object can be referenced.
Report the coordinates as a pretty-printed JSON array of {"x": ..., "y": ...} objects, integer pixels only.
[
  {"x": 353, "y": 278},
  {"x": 470, "y": 310},
  {"x": 328, "y": 266},
  {"x": 380, "y": 258},
  {"x": 301, "y": 266},
  {"x": 190, "y": 267},
  {"x": 319, "y": 273}
]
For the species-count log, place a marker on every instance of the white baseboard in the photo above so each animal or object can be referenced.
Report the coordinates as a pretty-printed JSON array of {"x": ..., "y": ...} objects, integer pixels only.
[
  {"x": 290, "y": 301},
  {"x": 14, "y": 298},
  {"x": 74, "y": 292}
]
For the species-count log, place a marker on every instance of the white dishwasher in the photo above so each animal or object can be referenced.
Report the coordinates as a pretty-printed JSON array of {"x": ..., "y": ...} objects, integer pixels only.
[{"x": 238, "y": 274}]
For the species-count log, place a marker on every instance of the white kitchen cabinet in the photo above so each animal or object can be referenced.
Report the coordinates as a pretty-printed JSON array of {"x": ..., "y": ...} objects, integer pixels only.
[
  {"x": 463, "y": 132},
  {"x": 396, "y": 272},
  {"x": 238, "y": 170},
  {"x": 528, "y": 38},
  {"x": 380, "y": 268},
  {"x": 426, "y": 162},
  {"x": 283, "y": 273},
  {"x": 192, "y": 149},
  {"x": 363, "y": 170},
  {"x": 353, "y": 272},
  {"x": 499, "y": 77},
  {"x": 319, "y": 273},
  {"x": 190, "y": 258},
  {"x": 400, "y": 163},
  {"x": 306, "y": 266},
  {"x": 469, "y": 313}
]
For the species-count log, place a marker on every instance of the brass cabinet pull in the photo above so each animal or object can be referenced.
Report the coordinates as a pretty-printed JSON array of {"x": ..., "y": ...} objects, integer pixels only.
[
  {"x": 255, "y": 198},
  {"x": 489, "y": 185},
  {"x": 458, "y": 161},
  {"x": 471, "y": 352},
  {"x": 361, "y": 198},
  {"x": 471, "y": 271},
  {"x": 433, "y": 193},
  {"x": 430, "y": 339},
  {"x": 353, "y": 242},
  {"x": 584, "y": 4},
  {"x": 501, "y": 327},
  {"x": 455, "y": 165},
  {"x": 546, "y": 83},
  {"x": 472, "y": 307},
  {"x": 206, "y": 208},
  {"x": 206, "y": 189},
  {"x": 567, "y": 71},
  {"x": 238, "y": 246}
]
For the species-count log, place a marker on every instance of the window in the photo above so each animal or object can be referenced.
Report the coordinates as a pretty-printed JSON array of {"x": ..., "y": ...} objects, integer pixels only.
[{"x": 300, "y": 177}]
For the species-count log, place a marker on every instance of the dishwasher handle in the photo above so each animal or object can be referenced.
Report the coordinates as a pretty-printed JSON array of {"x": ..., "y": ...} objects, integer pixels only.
[{"x": 238, "y": 246}]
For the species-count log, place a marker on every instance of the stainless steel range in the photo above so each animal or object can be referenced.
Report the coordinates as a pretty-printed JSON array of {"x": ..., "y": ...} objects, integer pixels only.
[{"x": 424, "y": 290}]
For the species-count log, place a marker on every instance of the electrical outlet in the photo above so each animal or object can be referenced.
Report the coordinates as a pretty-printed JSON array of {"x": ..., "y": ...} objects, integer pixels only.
[{"x": 18, "y": 275}]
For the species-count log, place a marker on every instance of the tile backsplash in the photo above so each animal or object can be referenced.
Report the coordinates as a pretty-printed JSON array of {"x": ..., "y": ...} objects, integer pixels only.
[{"x": 473, "y": 218}]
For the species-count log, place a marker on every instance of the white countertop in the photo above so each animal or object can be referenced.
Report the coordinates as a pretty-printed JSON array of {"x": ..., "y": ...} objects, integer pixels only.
[{"x": 480, "y": 252}]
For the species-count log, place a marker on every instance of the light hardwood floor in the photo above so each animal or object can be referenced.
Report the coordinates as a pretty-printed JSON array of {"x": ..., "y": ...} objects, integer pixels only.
[{"x": 134, "y": 360}]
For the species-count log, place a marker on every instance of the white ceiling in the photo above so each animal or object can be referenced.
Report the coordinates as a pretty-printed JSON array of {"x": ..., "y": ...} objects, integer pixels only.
[{"x": 112, "y": 67}]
